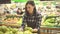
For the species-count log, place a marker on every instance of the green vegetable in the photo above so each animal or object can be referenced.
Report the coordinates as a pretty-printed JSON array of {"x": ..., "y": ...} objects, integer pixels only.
[
  {"x": 27, "y": 32},
  {"x": 1, "y": 32},
  {"x": 9, "y": 32},
  {"x": 28, "y": 28},
  {"x": 51, "y": 20},
  {"x": 3, "y": 29},
  {"x": 19, "y": 32},
  {"x": 14, "y": 30},
  {"x": 20, "y": 21}
]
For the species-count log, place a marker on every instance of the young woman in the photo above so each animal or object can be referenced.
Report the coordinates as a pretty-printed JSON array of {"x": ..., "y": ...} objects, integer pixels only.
[{"x": 31, "y": 17}]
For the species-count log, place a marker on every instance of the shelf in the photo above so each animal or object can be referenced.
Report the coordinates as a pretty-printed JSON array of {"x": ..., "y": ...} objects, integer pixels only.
[{"x": 50, "y": 28}]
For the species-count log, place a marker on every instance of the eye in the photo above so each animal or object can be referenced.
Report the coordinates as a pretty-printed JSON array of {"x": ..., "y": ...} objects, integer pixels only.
[{"x": 28, "y": 7}]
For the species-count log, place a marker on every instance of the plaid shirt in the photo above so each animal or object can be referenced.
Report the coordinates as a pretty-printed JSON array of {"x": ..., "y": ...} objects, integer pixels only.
[{"x": 33, "y": 21}]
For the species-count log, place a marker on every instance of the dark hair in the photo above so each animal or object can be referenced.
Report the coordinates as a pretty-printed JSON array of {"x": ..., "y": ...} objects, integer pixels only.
[{"x": 33, "y": 4}]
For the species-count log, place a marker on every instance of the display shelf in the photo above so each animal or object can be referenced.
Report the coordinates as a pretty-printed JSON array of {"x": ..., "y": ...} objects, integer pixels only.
[
  {"x": 43, "y": 29},
  {"x": 49, "y": 30}
]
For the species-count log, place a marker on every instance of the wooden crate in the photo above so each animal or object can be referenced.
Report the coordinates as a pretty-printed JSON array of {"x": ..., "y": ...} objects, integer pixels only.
[{"x": 49, "y": 30}]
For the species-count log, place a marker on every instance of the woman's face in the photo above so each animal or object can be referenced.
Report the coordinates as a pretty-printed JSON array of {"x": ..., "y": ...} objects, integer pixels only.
[{"x": 30, "y": 8}]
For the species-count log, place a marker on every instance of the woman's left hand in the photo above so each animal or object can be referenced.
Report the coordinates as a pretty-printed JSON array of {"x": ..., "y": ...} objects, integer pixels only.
[{"x": 35, "y": 30}]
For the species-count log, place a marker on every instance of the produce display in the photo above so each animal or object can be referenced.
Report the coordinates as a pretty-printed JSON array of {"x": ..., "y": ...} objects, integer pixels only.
[
  {"x": 52, "y": 21},
  {"x": 9, "y": 30},
  {"x": 49, "y": 22},
  {"x": 11, "y": 20}
]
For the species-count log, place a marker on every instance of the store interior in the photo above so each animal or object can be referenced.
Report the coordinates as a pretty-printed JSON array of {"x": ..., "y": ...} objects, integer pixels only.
[{"x": 10, "y": 20}]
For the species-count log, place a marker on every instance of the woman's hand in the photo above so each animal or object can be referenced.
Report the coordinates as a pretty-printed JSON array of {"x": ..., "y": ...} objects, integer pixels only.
[{"x": 35, "y": 30}]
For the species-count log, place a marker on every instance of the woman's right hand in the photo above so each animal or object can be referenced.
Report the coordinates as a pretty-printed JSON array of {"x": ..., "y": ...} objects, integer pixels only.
[{"x": 35, "y": 30}]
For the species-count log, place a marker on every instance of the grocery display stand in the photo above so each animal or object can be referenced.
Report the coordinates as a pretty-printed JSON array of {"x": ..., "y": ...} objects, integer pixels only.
[
  {"x": 11, "y": 25},
  {"x": 47, "y": 30},
  {"x": 50, "y": 29},
  {"x": 43, "y": 29}
]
